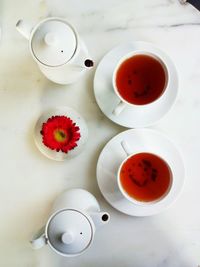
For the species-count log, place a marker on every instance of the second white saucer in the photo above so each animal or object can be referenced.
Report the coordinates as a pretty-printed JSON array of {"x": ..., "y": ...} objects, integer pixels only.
[
  {"x": 139, "y": 140},
  {"x": 132, "y": 117}
]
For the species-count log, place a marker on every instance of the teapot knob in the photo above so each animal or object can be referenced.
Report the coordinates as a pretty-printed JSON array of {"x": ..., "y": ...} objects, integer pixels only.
[
  {"x": 50, "y": 39},
  {"x": 67, "y": 238}
]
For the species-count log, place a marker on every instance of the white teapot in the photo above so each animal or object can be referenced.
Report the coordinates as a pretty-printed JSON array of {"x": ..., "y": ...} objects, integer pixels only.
[
  {"x": 58, "y": 50},
  {"x": 70, "y": 229}
]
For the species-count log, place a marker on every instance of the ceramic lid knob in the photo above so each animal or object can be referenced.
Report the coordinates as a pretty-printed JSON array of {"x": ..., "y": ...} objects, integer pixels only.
[
  {"x": 50, "y": 39},
  {"x": 67, "y": 238}
]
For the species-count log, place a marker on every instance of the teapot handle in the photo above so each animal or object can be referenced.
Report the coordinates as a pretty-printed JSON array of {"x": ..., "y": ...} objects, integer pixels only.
[
  {"x": 39, "y": 239},
  {"x": 24, "y": 28}
]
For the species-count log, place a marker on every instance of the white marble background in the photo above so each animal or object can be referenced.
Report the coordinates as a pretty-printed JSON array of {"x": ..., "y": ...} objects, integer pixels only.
[{"x": 29, "y": 182}]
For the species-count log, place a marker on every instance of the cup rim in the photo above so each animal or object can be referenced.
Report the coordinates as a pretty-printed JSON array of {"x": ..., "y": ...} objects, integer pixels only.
[
  {"x": 144, "y": 203},
  {"x": 132, "y": 54}
]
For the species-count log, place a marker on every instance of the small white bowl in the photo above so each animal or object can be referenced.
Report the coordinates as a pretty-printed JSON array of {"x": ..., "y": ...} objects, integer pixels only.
[{"x": 76, "y": 117}]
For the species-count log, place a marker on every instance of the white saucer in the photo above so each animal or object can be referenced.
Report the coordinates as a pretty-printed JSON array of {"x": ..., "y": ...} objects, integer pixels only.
[
  {"x": 76, "y": 117},
  {"x": 132, "y": 117},
  {"x": 139, "y": 140}
]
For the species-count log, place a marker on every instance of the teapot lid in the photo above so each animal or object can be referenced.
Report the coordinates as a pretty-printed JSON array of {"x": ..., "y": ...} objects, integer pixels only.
[
  {"x": 53, "y": 42},
  {"x": 69, "y": 232}
]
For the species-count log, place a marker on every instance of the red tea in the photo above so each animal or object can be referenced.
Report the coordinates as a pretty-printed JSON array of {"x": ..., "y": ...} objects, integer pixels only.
[
  {"x": 141, "y": 79},
  {"x": 145, "y": 177}
]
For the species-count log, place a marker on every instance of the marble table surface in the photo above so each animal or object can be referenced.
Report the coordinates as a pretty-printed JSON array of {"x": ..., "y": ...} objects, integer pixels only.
[{"x": 29, "y": 182}]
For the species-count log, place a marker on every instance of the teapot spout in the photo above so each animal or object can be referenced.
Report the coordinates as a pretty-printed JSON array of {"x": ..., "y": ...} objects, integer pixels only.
[
  {"x": 24, "y": 28},
  {"x": 89, "y": 63},
  {"x": 100, "y": 218}
]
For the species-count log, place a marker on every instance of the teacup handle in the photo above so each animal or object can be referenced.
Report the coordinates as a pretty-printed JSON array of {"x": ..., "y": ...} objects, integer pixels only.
[
  {"x": 119, "y": 108},
  {"x": 126, "y": 148}
]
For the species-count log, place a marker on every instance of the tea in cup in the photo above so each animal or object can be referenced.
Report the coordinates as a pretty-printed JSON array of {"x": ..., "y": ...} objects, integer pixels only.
[
  {"x": 144, "y": 178},
  {"x": 139, "y": 79}
]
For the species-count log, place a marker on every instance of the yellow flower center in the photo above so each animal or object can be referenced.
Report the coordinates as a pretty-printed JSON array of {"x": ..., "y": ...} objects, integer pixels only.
[{"x": 60, "y": 135}]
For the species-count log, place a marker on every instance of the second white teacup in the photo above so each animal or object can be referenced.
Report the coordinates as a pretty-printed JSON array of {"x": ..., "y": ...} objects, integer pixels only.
[{"x": 144, "y": 178}]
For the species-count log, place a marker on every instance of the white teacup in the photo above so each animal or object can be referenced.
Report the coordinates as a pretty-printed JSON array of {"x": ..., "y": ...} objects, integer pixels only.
[
  {"x": 129, "y": 154},
  {"x": 123, "y": 102}
]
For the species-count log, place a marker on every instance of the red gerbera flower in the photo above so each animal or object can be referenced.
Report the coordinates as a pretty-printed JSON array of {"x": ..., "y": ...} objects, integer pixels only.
[{"x": 60, "y": 133}]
